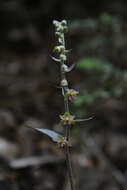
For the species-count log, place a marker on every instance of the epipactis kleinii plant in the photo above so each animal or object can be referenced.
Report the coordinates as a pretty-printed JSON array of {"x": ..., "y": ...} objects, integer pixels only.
[{"x": 67, "y": 120}]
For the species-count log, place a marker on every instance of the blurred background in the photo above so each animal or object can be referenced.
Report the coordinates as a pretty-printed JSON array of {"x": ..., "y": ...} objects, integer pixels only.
[{"x": 28, "y": 93}]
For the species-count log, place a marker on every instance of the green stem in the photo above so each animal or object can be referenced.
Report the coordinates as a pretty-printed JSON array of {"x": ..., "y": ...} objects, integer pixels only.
[
  {"x": 69, "y": 166},
  {"x": 67, "y": 149}
]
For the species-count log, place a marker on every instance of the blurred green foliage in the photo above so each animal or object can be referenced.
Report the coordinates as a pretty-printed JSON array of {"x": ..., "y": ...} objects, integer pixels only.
[
  {"x": 102, "y": 80},
  {"x": 94, "y": 64},
  {"x": 105, "y": 18}
]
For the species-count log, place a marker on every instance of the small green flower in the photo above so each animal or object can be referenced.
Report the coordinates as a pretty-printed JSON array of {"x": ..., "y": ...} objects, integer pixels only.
[
  {"x": 61, "y": 141},
  {"x": 71, "y": 94},
  {"x": 67, "y": 119}
]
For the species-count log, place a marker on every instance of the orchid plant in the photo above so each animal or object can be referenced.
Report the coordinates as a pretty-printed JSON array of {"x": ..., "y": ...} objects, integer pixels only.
[{"x": 67, "y": 120}]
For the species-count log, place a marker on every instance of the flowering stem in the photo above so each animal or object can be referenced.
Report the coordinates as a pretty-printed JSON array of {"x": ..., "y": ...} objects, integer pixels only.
[{"x": 67, "y": 119}]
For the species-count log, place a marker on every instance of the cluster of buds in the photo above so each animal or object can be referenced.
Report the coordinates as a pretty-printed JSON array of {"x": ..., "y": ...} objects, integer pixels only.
[
  {"x": 61, "y": 28},
  {"x": 67, "y": 119},
  {"x": 62, "y": 142}
]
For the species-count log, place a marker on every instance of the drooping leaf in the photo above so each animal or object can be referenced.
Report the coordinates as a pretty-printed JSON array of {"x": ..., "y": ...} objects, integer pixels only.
[{"x": 53, "y": 135}]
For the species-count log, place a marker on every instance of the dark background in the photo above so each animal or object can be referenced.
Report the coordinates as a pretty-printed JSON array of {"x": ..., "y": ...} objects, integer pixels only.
[{"x": 28, "y": 93}]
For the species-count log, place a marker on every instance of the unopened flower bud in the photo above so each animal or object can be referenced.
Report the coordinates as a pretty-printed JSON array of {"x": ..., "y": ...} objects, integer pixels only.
[
  {"x": 57, "y": 49},
  {"x": 64, "y": 23},
  {"x": 65, "y": 29},
  {"x": 64, "y": 68},
  {"x": 64, "y": 83},
  {"x": 63, "y": 57},
  {"x": 59, "y": 28},
  {"x": 56, "y": 23},
  {"x": 58, "y": 34}
]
